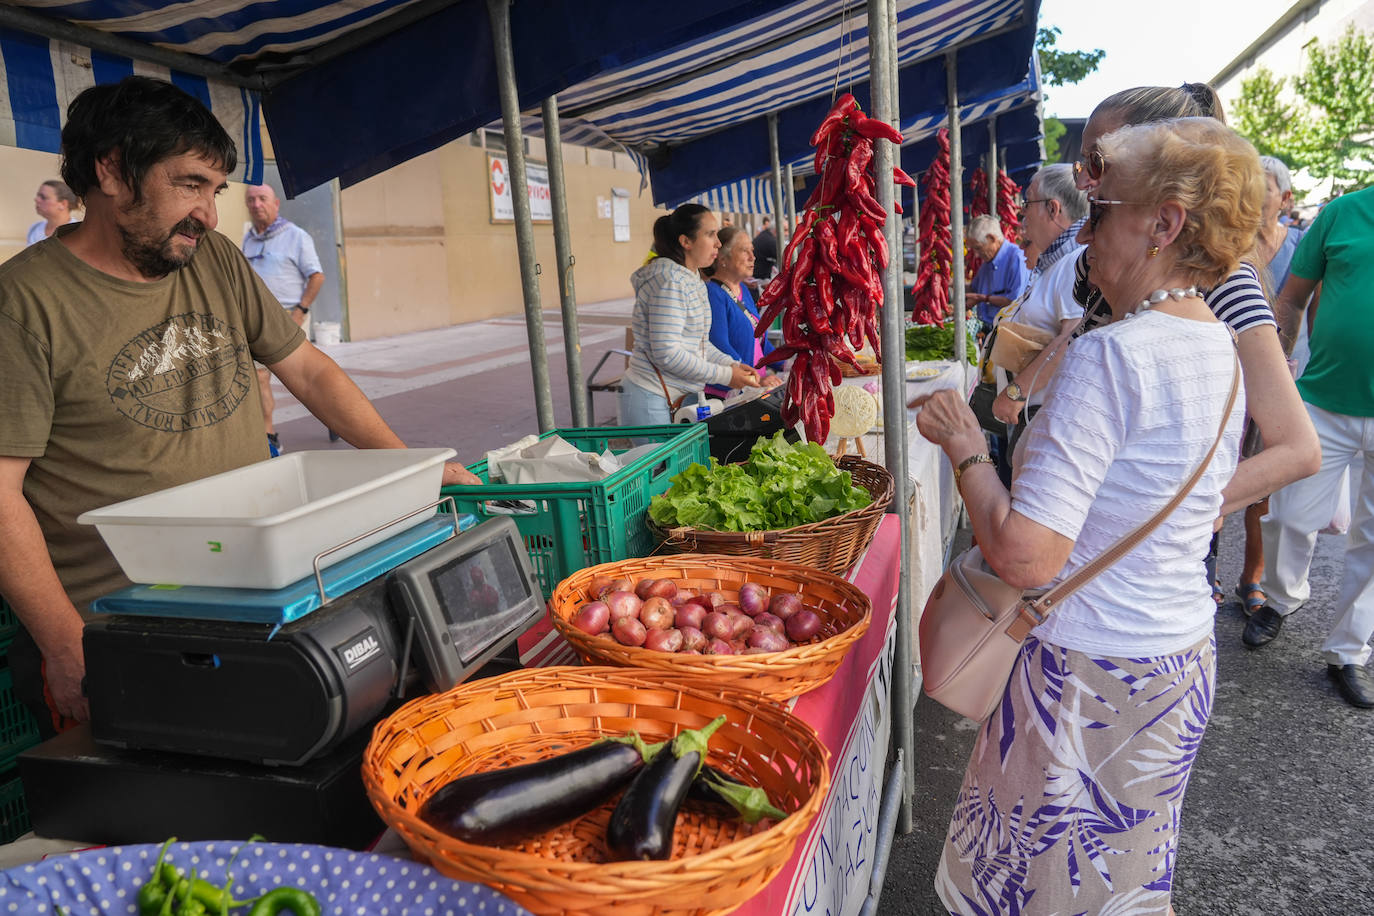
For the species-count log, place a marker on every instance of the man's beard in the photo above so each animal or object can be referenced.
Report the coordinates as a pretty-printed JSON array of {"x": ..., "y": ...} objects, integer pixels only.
[{"x": 157, "y": 259}]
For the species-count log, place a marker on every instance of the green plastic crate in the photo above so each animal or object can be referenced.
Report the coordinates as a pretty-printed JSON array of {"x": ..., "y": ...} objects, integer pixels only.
[
  {"x": 576, "y": 525},
  {"x": 14, "y": 808},
  {"x": 9, "y": 625},
  {"x": 18, "y": 731}
]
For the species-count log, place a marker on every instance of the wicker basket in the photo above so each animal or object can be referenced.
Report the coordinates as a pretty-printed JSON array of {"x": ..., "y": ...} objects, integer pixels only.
[
  {"x": 845, "y": 614},
  {"x": 529, "y": 715},
  {"x": 833, "y": 544}
]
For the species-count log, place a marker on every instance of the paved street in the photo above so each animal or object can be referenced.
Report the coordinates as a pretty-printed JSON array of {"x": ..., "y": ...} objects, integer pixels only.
[
  {"x": 1277, "y": 819},
  {"x": 1278, "y": 814}
]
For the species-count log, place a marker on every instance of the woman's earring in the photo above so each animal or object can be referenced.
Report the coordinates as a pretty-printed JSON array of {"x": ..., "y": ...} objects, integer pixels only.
[{"x": 1152, "y": 251}]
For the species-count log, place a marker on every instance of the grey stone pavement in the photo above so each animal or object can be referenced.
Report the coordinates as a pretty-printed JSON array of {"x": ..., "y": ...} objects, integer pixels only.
[{"x": 1279, "y": 816}]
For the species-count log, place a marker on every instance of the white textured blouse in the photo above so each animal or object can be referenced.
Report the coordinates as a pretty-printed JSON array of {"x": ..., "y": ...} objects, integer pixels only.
[{"x": 1132, "y": 410}]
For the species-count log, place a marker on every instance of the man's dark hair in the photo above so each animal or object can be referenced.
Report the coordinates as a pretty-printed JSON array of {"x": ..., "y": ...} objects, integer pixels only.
[{"x": 145, "y": 121}]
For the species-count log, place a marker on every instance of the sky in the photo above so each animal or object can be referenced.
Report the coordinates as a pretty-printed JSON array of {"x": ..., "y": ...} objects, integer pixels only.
[{"x": 1150, "y": 42}]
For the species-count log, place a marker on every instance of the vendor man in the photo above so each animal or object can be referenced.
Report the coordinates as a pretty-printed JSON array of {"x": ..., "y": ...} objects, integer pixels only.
[
  {"x": 1003, "y": 274},
  {"x": 283, "y": 254},
  {"x": 126, "y": 360}
]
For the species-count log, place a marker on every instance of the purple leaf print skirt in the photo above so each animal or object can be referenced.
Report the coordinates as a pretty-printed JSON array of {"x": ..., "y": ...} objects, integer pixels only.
[{"x": 1071, "y": 800}]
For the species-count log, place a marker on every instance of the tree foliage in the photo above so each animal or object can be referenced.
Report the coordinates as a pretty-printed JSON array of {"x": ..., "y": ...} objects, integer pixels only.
[
  {"x": 1061, "y": 68},
  {"x": 1054, "y": 129},
  {"x": 1328, "y": 127}
]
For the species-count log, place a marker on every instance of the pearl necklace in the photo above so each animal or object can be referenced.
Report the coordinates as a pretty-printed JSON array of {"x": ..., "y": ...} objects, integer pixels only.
[{"x": 1177, "y": 294}]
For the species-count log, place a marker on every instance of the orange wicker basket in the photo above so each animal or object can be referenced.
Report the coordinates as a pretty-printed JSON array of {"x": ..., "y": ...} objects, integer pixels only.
[
  {"x": 533, "y": 714},
  {"x": 833, "y": 544},
  {"x": 845, "y": 613}
]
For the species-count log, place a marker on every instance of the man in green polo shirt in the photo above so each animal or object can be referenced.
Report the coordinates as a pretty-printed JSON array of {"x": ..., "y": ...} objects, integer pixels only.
[{"x": 1338, "y": 389}]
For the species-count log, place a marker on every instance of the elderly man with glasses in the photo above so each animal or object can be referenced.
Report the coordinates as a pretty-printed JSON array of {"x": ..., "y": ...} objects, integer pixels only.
[{"x": 1050, "y": 218}]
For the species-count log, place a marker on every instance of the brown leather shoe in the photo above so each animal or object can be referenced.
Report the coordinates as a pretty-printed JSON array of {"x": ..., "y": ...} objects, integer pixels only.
[{"x": 1354, "y": 684}]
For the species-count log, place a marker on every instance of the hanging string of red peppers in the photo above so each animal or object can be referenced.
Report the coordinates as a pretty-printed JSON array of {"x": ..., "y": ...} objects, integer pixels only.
[
  {"x": 931, "y": 292},
  {"x": 828, "y": 295}
]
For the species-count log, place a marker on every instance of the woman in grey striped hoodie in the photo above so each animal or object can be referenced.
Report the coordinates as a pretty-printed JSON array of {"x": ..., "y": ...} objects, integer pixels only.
[{"x": 673, "y": 356}]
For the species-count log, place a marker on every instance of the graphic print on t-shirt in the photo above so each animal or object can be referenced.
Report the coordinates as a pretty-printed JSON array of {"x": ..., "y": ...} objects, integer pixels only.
[{"x": 188, "y": 372}]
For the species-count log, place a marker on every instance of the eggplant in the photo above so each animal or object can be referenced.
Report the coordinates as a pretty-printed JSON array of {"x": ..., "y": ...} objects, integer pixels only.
[
  {"x": 717, "y": 792},
  {"x": 508, "y": 804},
  {"x": 643, "y": 821}
]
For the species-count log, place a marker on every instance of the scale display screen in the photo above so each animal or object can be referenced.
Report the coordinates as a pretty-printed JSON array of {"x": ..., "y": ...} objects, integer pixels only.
[
  {"x": 478, "y": 594},
  {"x": 466, "y": 598}
]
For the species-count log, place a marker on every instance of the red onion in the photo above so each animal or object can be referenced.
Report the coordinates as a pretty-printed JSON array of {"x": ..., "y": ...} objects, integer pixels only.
[
  {"x": 771, "y": 621},
  {"x": 690, "y": 615},
  {"x": 593, "y": 618},
  {"x": 719, "y": 647},
  {"x": 784, "y": 605},
  {"x": 622, "y": 604},
  {"x": 803, "y": 625},
  {"x": 753, "y": 599},
  {"x": 718, "y": 626},
  {"x": 693, "y": 639},
  {"x": 663, "y": 640},
  {"x": 600, "y": 586},
  {"x": 629, "y": 632},
  {"x": 656, "y": 613},
  {"x": 768, "y": 640}
]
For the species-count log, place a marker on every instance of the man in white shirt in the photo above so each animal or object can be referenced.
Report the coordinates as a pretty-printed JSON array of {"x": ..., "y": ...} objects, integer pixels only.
[
  {"x": 284, "y": 256},
  {"x": 1053, "y": 212}
]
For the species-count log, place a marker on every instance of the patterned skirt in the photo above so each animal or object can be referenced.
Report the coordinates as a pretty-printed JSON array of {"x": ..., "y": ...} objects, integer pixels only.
[{"x": 1071, "y": 800}]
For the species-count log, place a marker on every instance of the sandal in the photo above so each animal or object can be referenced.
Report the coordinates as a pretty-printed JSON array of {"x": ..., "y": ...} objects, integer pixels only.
[
  {"x": 1251, "y": 596},
  {"x": 1218, "y": 595}
]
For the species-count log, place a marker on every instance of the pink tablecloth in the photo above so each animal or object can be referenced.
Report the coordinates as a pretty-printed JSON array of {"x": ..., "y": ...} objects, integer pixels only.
[{"x": 829, "y": 870}]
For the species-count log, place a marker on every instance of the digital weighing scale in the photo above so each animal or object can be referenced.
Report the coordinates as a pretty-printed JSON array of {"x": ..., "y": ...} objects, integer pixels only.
[
  {"x": 222, "y": 685},
  {"x": 744, "y": 420}
]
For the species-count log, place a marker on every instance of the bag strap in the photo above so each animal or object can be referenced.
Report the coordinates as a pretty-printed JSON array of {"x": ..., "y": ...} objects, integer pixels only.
[
  {"x": 1033, "y": 613},
  {"x": 673, "y": 405}
]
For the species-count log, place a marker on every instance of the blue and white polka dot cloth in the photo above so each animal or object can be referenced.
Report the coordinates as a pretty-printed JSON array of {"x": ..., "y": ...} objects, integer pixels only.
[{"x": 107, "y": 881}]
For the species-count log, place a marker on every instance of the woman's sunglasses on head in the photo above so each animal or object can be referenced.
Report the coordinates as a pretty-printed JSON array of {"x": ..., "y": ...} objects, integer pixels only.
[{"x": 1094, "y": 165}]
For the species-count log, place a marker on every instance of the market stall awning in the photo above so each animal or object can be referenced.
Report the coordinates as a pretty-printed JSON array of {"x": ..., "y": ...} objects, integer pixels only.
[
  {"x": 350, "y": 88},
  {"x": 985, "y": 68},
  {"x": 40, "y": 76}
]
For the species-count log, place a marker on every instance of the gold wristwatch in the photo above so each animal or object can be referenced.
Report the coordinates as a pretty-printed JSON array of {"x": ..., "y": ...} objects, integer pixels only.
[{"x": 1013, "y": 392}]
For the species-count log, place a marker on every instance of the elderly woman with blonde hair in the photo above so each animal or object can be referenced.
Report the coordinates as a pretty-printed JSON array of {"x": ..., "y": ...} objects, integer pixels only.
[{"x": 1072, "y": 796}]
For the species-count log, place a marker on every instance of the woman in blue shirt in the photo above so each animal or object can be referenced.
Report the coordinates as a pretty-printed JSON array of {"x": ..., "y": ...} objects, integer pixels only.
[{"x": 733, "y": 314}]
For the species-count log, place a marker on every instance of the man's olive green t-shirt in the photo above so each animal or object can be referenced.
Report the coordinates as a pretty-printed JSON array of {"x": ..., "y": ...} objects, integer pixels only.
[{"x": 116, "y": 389}]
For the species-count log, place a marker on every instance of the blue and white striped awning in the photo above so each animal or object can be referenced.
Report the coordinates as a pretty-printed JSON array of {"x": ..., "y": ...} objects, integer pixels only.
[
  {"x": 752, "y": 195},
  {"x": 740, "y": 74},
  {"x": 39, "y": 77},
  {"x": 400, "y": 77}
]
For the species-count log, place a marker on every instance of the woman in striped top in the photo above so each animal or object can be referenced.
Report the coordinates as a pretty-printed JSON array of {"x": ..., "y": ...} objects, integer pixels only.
[
  {"x": 1291, "y": 450},
  {"x": 673, "y": 356}
]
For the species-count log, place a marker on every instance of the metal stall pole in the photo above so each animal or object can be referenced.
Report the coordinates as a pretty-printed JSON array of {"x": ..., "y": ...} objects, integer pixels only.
[
  {"x": 882, "y": 27},
  {"x": 779, "y": 205},
  {"x": 790, "y": 195},
  {"x": 992, "y": 167},
  {"x": 562, "y": 246},
  {"x": 499, "y": 12},
  {"x": 956, "y": 206}
]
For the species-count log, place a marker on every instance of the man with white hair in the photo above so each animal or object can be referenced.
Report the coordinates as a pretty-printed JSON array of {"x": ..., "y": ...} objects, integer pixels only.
[{"x": 1002, "y": 276}]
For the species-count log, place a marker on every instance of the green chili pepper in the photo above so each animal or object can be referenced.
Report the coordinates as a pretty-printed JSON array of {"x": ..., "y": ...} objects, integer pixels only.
[
  {"x": 286, "y": 898},
  {"x": 153, "y": 892}
]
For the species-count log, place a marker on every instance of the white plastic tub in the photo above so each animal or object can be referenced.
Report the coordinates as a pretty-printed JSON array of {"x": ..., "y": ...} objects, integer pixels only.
[{"x": 261, "y": 526}]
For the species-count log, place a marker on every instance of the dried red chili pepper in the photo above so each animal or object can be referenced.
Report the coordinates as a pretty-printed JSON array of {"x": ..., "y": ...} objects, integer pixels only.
[
  {"x": 877, "y": 129},
  {"x": 842, "y": 107}
]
